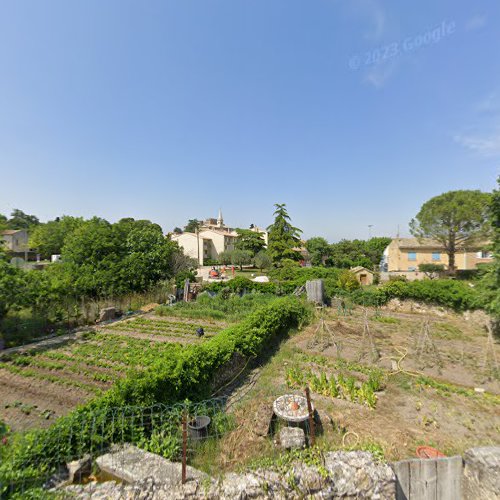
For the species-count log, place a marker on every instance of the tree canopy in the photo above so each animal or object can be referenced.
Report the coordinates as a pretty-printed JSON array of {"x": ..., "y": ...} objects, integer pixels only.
[
  {"x": 249, "y": 241},
  {"x": 489, "y": 285},
  {"x": 20, "y": 220},
  {"x": 283, "y": 238},
  {"x": 192, "y": 226},
  {"x": 12, "y": 286},
  {"x": 319, "y": 250},
  {"x": 347, "y": 253},
  {"x": 48, "y": 239},
  {"x": 455, "y": 219},
  {"x": 262, "y": 260}
]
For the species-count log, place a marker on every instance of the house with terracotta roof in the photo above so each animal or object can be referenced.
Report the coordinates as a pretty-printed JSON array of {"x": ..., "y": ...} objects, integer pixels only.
[{"x": 404, "y": 255}]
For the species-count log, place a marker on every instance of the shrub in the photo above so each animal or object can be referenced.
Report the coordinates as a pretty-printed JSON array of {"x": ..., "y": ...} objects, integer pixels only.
[
  {"x": 445, "y": 292},
  {"x": 369, "y": 296},
  {"x": 347, "y": 281},
  {"x": 241, "y": 284}
]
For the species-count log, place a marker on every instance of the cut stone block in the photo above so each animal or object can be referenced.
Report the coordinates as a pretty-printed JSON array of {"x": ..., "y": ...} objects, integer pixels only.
[
  {"x": 292, "y": 437},
  {"x": 107, "y": 314},
  {"x": 131, "y": 464}
]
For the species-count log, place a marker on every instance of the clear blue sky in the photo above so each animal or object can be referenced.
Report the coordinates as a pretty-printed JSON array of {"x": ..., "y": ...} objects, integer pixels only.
[{"x": 352, "y": 112}]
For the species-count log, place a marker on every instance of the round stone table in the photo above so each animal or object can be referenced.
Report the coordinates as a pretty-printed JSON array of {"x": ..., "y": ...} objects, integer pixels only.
[{"x": 291, "y": 408}]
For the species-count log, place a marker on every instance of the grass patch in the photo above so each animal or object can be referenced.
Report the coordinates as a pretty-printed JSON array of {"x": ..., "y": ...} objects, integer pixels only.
[
  {"x": 448, "y": 331},
  {"x": 389, "y": 320}
]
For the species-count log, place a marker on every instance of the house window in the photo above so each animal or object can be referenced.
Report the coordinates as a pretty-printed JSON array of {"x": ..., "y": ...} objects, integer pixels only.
[
  {"x": 412, "y": 255},
  {"x": 436, "y": 256},
  {"x": 484, "y": 255},
  {"x": 412, "y": 268}
]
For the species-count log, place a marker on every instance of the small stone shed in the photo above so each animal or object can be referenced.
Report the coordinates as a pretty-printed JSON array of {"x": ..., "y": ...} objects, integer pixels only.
[{"x": 363, "y": 275}]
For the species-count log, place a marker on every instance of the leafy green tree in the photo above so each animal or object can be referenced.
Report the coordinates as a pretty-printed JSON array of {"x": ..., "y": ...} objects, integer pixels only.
[
  {"x": 374, "y": 249},
  {"x": 262, "y": 260},
  {"x": 283, "y": 238},
  {"x": 148, "y": 258},
  {"x": 3, "y": 222},
  {"x": 249, "y": 241},
  {"x": 455, "y": 219},
  {"x": 48, "y": 239},
  {"x": 489, "y": 284},
  {"x": 241, "y": 258},
  {"x": 319, "y": 250},
  {"x": 192, "y": 226},
  {"x": 177, "y": 230},
  {"x": 349, "y": 253},
  {"x": 431, "y": 270},
  {"x": 92, "y": 243},
  {"x": 225, "y": 257},
  {"x": 20, "y": 220},
  {"x": 13, "y": 293}
]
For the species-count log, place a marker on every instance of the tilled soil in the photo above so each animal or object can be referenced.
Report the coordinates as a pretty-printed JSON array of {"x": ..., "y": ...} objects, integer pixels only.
[
  {"x": 460, "y": 359},
  {"x": 45, "y": 395}
]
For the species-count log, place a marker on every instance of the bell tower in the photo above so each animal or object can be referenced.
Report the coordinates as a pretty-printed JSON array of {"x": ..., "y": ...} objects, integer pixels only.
[{"x": 220, "y": 220}]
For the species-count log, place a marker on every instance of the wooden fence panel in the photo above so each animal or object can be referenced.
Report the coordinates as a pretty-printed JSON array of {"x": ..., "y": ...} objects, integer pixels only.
[{"x": 429, "y": 479}]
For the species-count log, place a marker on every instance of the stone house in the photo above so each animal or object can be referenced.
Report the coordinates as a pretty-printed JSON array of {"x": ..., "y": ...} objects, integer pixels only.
[
  {"x": 363, "y": 275},
  {"x": 404, "y": 255},
  {"x": 15, "y": 241},
  {"x": 213, "y": 238}
]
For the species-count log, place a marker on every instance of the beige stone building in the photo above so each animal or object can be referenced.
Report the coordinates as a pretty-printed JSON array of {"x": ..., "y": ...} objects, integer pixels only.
[
  {"x": 213, "y": 238},
  {"x": 15, "y": 240},
  {"x": 404, "y": 255},
  {"x": 363, "y": 275}
]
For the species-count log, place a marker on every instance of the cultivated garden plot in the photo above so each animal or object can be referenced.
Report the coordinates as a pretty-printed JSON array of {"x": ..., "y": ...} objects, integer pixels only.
[
  {"x": 443, "y": 346},
  {"x": 40, "y": 385},
  {"x": 389, "y": 403}
]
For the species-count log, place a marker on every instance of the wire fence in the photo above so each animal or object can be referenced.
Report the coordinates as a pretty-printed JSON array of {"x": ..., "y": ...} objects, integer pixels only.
[{"x": 184, "y": 434}]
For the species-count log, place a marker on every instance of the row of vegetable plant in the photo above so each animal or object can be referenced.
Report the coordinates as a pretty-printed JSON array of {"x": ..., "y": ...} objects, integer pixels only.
[{"x": 341, "y": 386}]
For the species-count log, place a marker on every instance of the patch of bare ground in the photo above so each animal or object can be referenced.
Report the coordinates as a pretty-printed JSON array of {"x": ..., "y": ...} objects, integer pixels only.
[
  {"x": 456, "y": 350},
  {"x": 46, "y": 398}
]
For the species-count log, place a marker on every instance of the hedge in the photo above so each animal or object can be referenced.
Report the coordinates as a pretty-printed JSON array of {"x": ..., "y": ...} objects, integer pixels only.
[
  {"x": 457, "y": 295},
  {"x": 185, "y": 374}
]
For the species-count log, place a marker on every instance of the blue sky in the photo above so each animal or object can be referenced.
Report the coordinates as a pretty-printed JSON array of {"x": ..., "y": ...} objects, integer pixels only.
[{"x": 352, "y": 112}]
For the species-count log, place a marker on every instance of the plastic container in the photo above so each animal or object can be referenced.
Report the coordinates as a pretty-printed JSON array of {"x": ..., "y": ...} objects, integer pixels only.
[{"x": 198, "y": 427}]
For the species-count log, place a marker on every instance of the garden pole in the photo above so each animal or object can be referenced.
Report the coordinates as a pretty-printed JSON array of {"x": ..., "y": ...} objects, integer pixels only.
[
  {"x": 311, "y": 417},
  {"x": 184, "y": 446}
]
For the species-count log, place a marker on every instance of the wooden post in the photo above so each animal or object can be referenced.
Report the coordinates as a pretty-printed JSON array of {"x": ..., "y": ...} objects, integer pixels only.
[
  {"x": 312, "y": 429},
  {"x": 184, "y": 447}
]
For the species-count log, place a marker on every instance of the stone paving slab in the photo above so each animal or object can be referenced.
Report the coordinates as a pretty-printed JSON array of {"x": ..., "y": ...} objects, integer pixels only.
[{"x": 131, "y": 464}]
